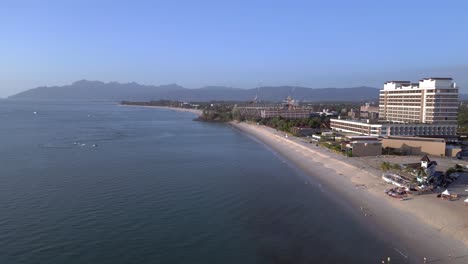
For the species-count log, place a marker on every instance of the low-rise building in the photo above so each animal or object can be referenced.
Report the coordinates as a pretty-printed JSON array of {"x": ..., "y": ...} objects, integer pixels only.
[
  {"x": 353, "y": 113},
  {"x": 369, "y": 108},
  {"x": 360, "y": 146},
  {"x": 428, "y": 166},
  {"x": 386, "y": 129},
  {"x": 271, "y": 112},
  {"x": 358, "y": 127},
  {"x": 369, "y": 115},
  {"x": 360, "y": 138},
  {"x": 363, "y": 148},
  {"x": 416, "y": 145},
  {"x": 285, "y": 113},
  {"x": 368, "y": 111}
]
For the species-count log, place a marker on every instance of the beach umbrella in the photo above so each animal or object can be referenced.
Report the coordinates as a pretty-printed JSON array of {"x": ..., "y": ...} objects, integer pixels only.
[{"x": 446, "y": 192}]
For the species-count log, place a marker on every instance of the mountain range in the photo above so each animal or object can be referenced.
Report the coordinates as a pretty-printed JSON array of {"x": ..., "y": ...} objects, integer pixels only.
[{"x": 114, "y": 91}]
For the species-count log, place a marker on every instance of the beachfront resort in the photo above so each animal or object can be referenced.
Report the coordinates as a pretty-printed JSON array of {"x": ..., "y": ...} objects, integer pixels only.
[
  {"x": 412, "y": 120},
  {"x": 376, "y": 155}
]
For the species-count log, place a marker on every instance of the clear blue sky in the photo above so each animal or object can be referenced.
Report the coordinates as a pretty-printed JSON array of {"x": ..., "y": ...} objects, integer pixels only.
[{"x": 232, "y": 43}]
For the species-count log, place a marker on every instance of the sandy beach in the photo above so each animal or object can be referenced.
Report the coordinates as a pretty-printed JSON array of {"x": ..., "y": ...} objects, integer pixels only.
[{"x": 423, "y": 227}]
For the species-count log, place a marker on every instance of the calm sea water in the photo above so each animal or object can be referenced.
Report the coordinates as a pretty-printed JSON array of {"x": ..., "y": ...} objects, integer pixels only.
[{"x": 159, "y": 188}]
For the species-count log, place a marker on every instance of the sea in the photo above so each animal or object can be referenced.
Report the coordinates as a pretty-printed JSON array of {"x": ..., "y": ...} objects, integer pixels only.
[{"x": 95, "y": 182}]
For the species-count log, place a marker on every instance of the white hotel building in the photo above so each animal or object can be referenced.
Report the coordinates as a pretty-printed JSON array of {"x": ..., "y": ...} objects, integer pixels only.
[
  {"x": 427, "y": 108},
  {"x": 432, "y": 100}
]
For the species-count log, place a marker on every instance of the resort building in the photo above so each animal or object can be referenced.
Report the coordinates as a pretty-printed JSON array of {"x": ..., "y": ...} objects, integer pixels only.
[
  {"x": 427, "y": 108},
  {"x": 359, "y": 127},
  {"x": 270, "y": 112},
  {"x": 285, "y": 113},
  {"x": 369, "y": 108},
  {"x": 368, "y": 111},
  {"x": 432, "y": 100},
  {"x": 383, "y": 129}
]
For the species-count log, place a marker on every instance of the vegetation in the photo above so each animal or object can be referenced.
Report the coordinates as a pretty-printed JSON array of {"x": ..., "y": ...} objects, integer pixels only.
[
  {"x": 459, "y": 168},
  {"x": 387, "y": 166},
  {"x": 332, "y": 146},
  {"x": 286, "y": 125},
  {"x": 463, "y": 118},
  {"x": 450, "y": 171},
  {"x": 216, "y": 114},
  {"x": 222, "y": 112},
  {"x": 392, "y": 151}
]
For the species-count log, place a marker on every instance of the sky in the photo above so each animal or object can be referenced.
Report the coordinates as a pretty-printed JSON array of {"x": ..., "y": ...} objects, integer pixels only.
[{"x": 231, "y": 43}]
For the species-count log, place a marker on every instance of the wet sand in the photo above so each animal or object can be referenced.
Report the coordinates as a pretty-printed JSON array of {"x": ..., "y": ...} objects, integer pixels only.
[{"x": 424, "y": 227}]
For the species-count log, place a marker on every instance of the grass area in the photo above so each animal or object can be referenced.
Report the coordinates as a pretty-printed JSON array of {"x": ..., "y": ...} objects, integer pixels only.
[{"x": 335, "y": 146}]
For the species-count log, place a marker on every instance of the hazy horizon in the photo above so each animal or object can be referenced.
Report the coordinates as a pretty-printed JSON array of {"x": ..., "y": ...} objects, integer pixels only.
[{"x": 241, "y": 44}]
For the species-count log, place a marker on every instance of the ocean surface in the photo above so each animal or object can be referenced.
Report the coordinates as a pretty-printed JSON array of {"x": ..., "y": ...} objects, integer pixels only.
[{"x": 160, "y": 188}]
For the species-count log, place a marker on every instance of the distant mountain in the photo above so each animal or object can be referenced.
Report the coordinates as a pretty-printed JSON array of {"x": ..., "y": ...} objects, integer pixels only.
[{"x": 113, "y": 91}]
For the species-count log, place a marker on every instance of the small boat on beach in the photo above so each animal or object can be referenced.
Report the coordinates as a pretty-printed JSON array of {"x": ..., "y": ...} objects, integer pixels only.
[{"x": 394, "y": 179}]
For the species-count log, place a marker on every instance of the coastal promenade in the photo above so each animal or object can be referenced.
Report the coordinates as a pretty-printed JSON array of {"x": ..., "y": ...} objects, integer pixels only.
[{"x": 423, "y": 227}]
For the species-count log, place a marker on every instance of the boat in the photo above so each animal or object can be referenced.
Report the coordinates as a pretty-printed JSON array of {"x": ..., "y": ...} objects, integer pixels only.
[{"x": 394, "y": 179}]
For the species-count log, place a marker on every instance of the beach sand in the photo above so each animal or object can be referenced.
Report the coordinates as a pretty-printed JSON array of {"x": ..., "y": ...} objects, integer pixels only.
[{"x": 423, "y": 227}]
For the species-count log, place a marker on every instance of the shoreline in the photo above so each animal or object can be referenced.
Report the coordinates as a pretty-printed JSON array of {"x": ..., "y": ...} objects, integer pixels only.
[
  {"x": 424, "y": 227},
  {"x": 178, "y": 109},
  {"x": 416, "y": 228}
]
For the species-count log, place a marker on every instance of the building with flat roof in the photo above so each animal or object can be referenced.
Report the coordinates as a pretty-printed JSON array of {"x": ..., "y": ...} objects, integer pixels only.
[
  {"x": 362, "y": 148},
  {"x": 285, "y": 113},
  {"x": 382, "y": 129},
  {"x": 359, "y": 127},
  {"x": 271, "y": 111},
  {"x": 430, "y": 101},
  {"x": 369, "y": 108},
  {"x": 420, "y": 146},
  {"x": 369, "y": 111}
]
